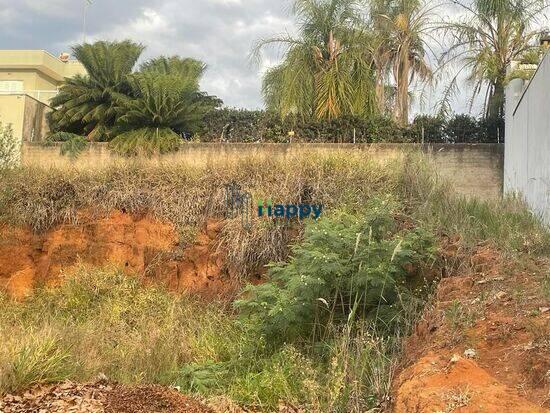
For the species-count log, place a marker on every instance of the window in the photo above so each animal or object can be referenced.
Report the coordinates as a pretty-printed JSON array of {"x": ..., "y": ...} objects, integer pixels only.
[{"x": 11, "y": 86}]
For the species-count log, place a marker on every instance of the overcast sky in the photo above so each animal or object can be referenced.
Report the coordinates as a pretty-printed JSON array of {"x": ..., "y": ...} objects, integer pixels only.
[{"x": 218, "y": 32}]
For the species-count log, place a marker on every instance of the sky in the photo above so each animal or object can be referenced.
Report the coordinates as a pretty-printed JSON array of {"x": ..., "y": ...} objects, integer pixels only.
[{"x": 221, "y": 33}]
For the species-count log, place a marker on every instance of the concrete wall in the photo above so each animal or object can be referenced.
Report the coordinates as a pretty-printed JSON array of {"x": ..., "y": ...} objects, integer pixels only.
[
  {"x": 527, "y": 152},
  {"x": 26, "y": 115},
  {"x": 475, "y": 170},
  {"x": 12, "y": 111},
  {"x": 35, "y": 124}
]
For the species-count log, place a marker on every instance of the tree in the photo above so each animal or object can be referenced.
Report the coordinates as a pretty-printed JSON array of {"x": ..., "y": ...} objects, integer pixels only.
[
  {"x": 486, "y": 39},
  {"x": 327, "y": 71},
  {"x": 402, "y": 28},
  {"x": 164, "y": 101},
  {"x": 85, "y": 105}
]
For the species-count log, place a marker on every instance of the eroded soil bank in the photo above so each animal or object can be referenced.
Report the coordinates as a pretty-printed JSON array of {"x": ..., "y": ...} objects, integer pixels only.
[
  {"x": 484, "y": 345},
  {"x": 141, "y": 245}
]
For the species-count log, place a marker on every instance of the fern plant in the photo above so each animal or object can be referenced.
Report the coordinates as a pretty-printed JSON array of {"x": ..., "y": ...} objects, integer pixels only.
[{"x": 346, "y": 266}]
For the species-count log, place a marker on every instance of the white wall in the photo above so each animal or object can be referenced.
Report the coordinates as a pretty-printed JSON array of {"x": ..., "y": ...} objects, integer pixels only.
[{"x": 527, "y": 148}]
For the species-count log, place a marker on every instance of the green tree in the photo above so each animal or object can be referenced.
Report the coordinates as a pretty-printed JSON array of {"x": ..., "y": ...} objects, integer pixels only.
[
  {"x": 164, "y": 101},
  {"x": 490, "y": 35},
  {"x": 85, "y": 105},
  {"x": 327, "y": 71}
]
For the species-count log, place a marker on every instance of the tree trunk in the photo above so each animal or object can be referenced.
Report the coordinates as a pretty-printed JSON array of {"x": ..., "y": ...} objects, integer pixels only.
[{"x": 380, "y": 91}]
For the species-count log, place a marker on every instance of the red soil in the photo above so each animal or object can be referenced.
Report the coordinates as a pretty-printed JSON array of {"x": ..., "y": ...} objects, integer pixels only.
[
  {"x": 141, "y": 245},
  {"x": 503, "y": 318}
]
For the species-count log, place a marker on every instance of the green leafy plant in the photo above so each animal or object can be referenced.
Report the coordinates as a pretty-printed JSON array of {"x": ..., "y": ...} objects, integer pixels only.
[
  {"x": 146, "y": 142},
  {"x": 9, "y": 147},
  {"x": 85, "y": 105},
  {"x": 346, "y": 266},
  {"x": 74, "y": 146}
]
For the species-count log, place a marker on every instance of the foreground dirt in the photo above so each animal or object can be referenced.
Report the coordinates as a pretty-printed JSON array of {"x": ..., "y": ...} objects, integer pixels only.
[
  {"x": 141, "y": 245},
  {"x": 100, "y": 397},
  {"x": 485, "y": 344}
]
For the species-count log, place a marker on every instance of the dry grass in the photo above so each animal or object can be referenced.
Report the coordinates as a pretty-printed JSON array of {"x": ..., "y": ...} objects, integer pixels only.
[{"x": 186, "y": 195}]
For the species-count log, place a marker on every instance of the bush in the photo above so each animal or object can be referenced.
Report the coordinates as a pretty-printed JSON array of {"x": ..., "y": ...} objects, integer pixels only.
[
  {"x": 235, "y": 125},
  {"x": 9, "y": 147},
  {"x": 428, "y": 128},
  {"x": 346, "y": 266},
  {"x": 463, "y": 129}
]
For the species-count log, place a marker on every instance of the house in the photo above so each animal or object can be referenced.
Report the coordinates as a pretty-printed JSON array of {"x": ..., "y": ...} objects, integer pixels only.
[{"x": 28, "y": 80}]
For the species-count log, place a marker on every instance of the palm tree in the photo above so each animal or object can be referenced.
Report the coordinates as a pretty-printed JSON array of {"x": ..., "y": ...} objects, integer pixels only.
[
  {"x": 490, "y": 35},
  {"x": 164, "y": 101},
  {"x": 327, "y": 70},
  {"x": 86, "y": 104},
  {"x": 402, "y": 28}
]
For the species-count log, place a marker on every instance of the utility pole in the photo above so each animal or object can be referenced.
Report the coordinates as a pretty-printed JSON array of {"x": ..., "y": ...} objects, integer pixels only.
[{"x": 87, "y": 3}]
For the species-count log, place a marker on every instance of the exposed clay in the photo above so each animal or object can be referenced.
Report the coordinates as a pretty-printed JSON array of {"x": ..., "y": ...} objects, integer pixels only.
[
  {"x": 140, "y": 245},
  {"x": 497, "y": 360}
]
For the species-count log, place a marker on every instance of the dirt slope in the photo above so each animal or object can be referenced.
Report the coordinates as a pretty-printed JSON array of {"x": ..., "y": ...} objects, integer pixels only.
[
  {"x": 484, "y": 346},
  {"x": 141, "y": 245}
]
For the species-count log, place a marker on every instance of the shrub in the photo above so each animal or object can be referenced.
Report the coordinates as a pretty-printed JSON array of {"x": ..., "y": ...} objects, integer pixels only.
[
  {"x": 9, "y": 147},
  {"x": 346, "y": 266},
  {"x": 428, "y": 127},
  {"x": 463, "y": 129}
]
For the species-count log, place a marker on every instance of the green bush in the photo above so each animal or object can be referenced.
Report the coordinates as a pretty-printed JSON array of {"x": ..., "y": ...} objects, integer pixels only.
[
  {"x": 429, "y": 127},
  {"x": 346, "y": 265},
  {"x": 9, "y": 147},
  {"x": 463, "y": 129}
]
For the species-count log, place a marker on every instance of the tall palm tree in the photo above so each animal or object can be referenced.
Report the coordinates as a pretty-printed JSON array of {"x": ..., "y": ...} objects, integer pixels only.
[
  {"x": 86, "y": 104},
  {"x": 402, "y": 29},
  {"x": 490, "y": 35},
  {"x": 326, "y": 71}
]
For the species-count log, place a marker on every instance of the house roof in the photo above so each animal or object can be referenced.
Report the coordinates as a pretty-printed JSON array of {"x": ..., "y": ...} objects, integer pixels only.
[{"x": 42, "y": 61}]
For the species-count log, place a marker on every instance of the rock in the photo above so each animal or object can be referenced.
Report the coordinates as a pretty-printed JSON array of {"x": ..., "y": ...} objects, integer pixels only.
[
  {"x": 470, "y": 353},
  {"x": 500, "y": 295},
  {"x": 455, "y": 358}
]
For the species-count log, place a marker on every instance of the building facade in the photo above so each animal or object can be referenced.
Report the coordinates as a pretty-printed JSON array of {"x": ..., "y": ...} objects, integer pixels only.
[
  {"x": 28, "y": 81},
  {"x": 527, "y": 148}
]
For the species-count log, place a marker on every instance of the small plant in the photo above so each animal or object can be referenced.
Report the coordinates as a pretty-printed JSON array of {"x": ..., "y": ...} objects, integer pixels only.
[
  {"x": 459, "y": 317},
  {"x": 38, "y": 360},
  {"x": 9, "y": 147}
]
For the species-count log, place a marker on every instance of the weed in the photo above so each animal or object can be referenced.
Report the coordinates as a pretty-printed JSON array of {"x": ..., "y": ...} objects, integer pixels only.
[{"x": 459, "y": 317}]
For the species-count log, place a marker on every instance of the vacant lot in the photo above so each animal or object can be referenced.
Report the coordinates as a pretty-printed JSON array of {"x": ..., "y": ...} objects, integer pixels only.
[{"x": 402, "y": 295}]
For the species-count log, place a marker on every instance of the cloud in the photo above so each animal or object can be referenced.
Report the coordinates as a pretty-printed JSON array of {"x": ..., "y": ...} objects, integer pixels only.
[{"x": 219, "y": 32}]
